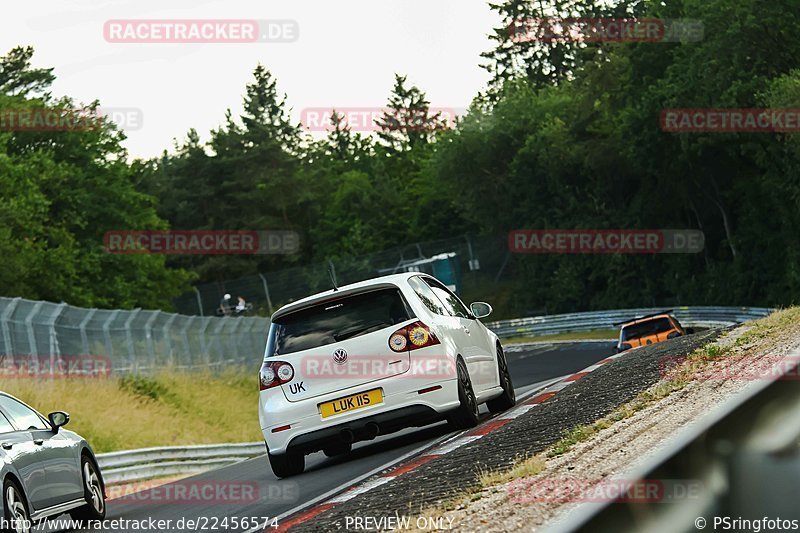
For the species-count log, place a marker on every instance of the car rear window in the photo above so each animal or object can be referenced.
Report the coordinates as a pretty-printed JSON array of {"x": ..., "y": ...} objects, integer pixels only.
[
  {"x": 337, "y": 320},
  {"x": 643, "y": 329}
]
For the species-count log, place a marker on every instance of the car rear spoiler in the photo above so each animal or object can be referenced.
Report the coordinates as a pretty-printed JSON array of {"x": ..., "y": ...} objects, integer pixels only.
[
  {"x": 665, "y": 312},
  {"x": 329, "y": 297}
]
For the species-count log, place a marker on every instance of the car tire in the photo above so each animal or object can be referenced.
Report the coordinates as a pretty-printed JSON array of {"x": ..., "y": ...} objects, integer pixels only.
[
  {"x": 287, "y": 464},
  {"x": 15, "y": 507},
  {"x": 93, "y": 492},
  {"x": 508, "y": 399},
  {"x": 337, "y": 449},
  {"x": 466, "y": 416}
]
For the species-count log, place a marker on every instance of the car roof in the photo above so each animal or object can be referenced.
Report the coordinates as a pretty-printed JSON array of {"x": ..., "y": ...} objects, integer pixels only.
[
  {"x": 645, "y": 319},
  {"x": 345, "y": 290}
]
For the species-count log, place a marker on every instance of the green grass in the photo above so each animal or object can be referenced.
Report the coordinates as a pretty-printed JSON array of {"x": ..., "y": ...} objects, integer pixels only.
[
  {"x": 644, "y": 399},
  {"x": 600, "y": 334},
  {"x": 768, "y": 326},
  {"x": 162, "y": 410}
]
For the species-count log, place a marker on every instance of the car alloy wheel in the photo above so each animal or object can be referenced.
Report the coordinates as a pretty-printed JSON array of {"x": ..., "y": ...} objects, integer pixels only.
[
  {"x": 93, "y": 486},
  {"x": 16, "y": 512},
  {"x": 93, "y": 495},
  {"x": 508, "y": 399},
  {"x": 466, "y": 415},
  {"x": 466, "y": 384}
]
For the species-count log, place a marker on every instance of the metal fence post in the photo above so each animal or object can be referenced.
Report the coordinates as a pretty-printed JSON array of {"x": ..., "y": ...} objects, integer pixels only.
[
  {"x": 129, "y": 338},
  {"x": 266, "y": 291},
  {"x": 203, "y": 342},
  {"x": 199, "y": 301},
  {"x": 258, "y": 337},
  {"x": 233, "y": 334},
  {"x": 53, "y": 339},
  {"x": 167, "y": 339},
  {"x": 4, "y": 319},
  {"x": 148, "y": 332},
  {"x": 184, "y": 331},
  {"x": 247, "y": 340},
  {"x": 82, "y": 327},
  {"x": 217, "y": 330},
  {"x": 107, "y": 333},
  {"x": 29, "y": 326}
]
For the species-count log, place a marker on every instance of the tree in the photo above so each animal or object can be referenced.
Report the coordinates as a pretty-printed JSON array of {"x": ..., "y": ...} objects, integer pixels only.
[
  {"x": 537, "y": 41},
  {"x": 247, "y": 177},
  {"x": 408, "y": 122},
  {"x": 60, "y": 192},
  {"x": 18, "y": 78}
]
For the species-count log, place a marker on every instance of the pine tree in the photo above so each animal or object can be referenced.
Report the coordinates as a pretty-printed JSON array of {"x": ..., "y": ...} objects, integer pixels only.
[
  {"x": 408, "y": 121},
  {"x": 528, "y": 43},
  {"x": 18, "y": 78}
]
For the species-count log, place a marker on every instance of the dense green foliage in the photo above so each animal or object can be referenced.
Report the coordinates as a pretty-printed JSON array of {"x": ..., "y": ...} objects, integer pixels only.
[
  {"x": 60, "y": 191},
  {"x": 565, "y": 136}
]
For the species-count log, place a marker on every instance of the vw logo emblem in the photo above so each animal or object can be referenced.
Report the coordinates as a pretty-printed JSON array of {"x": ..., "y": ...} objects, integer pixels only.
[{"x": 340, "y": 356}]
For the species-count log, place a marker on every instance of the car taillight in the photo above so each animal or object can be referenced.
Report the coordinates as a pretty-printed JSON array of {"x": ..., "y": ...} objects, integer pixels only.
[
  {"x": 412, "y": 337},
  {"x": 674, "y": 334},
  {"x": 274, "y": 373}
]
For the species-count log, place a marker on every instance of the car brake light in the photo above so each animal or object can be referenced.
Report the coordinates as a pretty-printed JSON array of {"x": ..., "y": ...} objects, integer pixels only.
[
  {"x": 412, "y": 337},
  {"x": 274, "y": 373}
]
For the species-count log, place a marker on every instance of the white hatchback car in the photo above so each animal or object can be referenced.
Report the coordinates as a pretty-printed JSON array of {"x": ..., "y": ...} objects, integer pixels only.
[{"x": 372, "y": 358}]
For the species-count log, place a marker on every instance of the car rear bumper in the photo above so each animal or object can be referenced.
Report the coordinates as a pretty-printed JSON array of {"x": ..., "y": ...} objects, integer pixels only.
[
  {"x": 309, "y": 432},
  {"x": 365, "y": 428}
]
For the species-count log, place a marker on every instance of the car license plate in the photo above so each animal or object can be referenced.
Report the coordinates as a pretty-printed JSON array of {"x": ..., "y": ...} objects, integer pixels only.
[{"x": 351, "y": 403}]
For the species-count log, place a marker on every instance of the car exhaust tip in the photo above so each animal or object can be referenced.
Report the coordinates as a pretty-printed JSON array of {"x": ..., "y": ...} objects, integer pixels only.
[
  {"x": 372, "y": 429},
  {"x": 348, "y": 436}
]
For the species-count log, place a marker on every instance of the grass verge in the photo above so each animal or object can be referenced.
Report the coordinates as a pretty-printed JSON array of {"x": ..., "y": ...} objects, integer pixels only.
[{"x": 163, "y": 410}]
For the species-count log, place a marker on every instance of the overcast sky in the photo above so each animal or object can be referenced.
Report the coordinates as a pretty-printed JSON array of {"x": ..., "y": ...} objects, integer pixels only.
[{"x": 345, "y": 56}]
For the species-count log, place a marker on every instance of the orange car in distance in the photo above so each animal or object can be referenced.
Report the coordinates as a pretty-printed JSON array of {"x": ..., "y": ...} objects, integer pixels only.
[{"x": 648, "y": 329}]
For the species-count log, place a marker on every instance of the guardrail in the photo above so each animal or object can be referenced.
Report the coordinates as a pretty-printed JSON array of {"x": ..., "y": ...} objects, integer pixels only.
[
  {"x": 689, "y": 316},
  {"x": 743, "y": 458},
  {"x": 146, "y": 463}
]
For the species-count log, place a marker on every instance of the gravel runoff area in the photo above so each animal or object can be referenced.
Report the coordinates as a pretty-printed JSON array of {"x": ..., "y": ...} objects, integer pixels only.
[
  {"x": 619, "y": 449},
  {"x": 451, "y": 475}
]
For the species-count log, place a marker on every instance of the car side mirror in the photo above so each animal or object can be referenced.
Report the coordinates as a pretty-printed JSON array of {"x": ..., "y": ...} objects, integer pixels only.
[
  {"x": 58, "y": 419},
  {"x": 480, "y": 309}
]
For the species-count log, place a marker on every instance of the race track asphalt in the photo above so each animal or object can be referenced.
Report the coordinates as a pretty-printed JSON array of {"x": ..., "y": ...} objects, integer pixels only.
[{"x": 248, "y": 490}]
